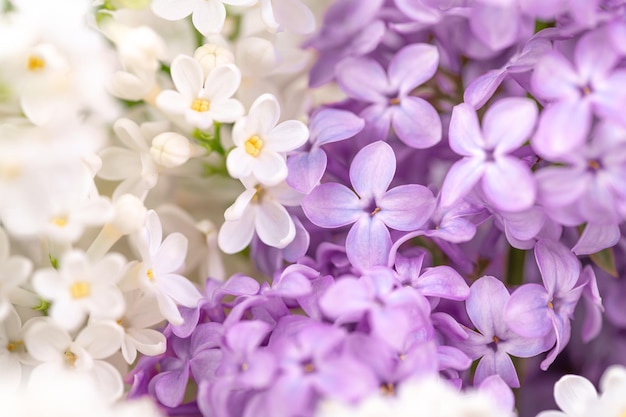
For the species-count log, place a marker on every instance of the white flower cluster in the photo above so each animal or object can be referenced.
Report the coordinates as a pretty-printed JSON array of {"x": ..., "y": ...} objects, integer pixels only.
[
  {"x": 577, "y": 396},
  {"x": 432, "y": 397},
  {"x": 126, "y": 132}
]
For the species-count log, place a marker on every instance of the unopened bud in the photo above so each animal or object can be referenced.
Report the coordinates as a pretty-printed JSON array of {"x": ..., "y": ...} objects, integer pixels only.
[
  {"x": 210, "y": 56},
  {"x": 170, "y": 149}
]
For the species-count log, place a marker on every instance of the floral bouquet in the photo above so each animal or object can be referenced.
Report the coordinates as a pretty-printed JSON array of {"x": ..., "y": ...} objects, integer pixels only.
[{"x": 312, "y": 208}]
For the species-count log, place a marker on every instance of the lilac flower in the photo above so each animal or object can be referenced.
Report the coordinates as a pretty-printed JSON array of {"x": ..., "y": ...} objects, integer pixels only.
[
  {"x": 413, "y": 119},
  {"x": 372, "y": 208},
  {"x": 499, "y": 24},
  {"x": 588, "y": 184},
  {"x": 326, "y": 126},
  {"x": 537, "y": 311},
  {"x": 495, "y": 342},
  {"x": 577, "y": 91},
  {"x": 506, "y": 181},
  {"x": 392, "y": 311}
]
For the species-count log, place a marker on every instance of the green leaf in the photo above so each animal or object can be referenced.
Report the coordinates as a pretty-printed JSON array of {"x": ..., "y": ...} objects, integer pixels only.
[
  {"x": 605, "y": 259},
  {"x": 43, "y": 307},
  {"x": 53, "y": 261}
]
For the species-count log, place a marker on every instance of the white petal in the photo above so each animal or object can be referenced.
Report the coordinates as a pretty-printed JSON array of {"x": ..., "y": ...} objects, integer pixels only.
[
  {"x": 239, "y": 163},
  {"x": 106, "y": 302},
  {"x": 227, "y": 111},
  {"x": 294, "y": 15},
  {"x": 173, "y": 9},
  {"x": 148, "y": 341},
  {"x": 264, "y": 114},
  {"x": 180, "y": 289},
  {"x": 573, "y": 393},
  {"x": 4, "y": 245},
  {"x": 171, "y": 101},
  {"x": 15, "y": 271},
  {"x": 235, "y": 235},
  {"x": 221, "y": 83},
  {"x": 209, "y": 17},
  {"x": 47, "y": 283},
  {"x": 240, "y": 206},
  {"x": 187, "y": 76},
  {"x": 118, "y": 163},
  {"x": 154, "y": 232},
  {"x": 109, "y": 269},
  {"x": 270, "y": 167},
  {"x": 171, "y": 255},
  {"x": 130, "y": 134},
  {"x": 101, "y": 339},
  {"x": 287, "y": 136},
  {"x": 46, "y": 341},
  {"x": 11, "y": 371},
  {"x": 67, "y": 312},
  {"x": 274, "y": 225},
  {"x": 129, "y": 352},
  {"x": 108, "y": 380},
  {"x": 168, "y": 308}
]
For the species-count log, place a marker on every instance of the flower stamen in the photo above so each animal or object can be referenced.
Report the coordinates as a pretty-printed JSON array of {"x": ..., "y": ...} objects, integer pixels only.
[
  {"x": 253, "y": 145},
  {"x": 200, "y": 105},
  {"x": 35, "y": 63},
  {"x": 80, "y": 289}
]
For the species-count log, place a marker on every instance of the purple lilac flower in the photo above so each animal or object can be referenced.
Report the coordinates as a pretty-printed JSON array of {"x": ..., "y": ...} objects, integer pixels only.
[
  {"x": 499, "y": 24},
  {"x": 506, "y": 181},
  {"x": 537, "y": 311},
  {"x": 494, "y": 341},
  {"x": 388, "y": 94},
  {"x": 372, "y": 208},
  {"x": 576, "y": 91}
]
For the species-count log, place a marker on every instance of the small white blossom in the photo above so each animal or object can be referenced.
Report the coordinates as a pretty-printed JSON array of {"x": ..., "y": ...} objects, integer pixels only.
[
  {"x": 59, "y": 355},
  {"x": 170, "y": 149},
  {"x": 259, "y": 209},
  {"x": 13, "y": 355},
  {"x": 14, "y": 271},
  {"x": 202, "y": 101},
  {"x": 208, "y": 16},
  {"x": 158, "y": 272},
  {"x": 292, "y": 15},
  {"x": 261, "y": 142},
  {"x": 79, "y": 288}
]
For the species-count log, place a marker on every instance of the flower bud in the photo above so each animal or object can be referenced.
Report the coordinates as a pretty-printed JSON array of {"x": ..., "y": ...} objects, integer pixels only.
[
  {"x": 130, "y": 214},
  {"x": 256, "y": 56},
  {"x": 211, "y": 56},
  {"x": 170, "y": 149}
]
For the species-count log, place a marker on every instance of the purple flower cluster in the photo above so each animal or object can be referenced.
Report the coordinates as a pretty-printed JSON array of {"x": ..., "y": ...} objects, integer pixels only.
[{"x": 470, "y": 136}]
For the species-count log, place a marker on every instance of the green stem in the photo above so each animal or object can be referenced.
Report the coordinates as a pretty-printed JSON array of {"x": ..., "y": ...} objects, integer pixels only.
[{"x": 515, "y": 267}]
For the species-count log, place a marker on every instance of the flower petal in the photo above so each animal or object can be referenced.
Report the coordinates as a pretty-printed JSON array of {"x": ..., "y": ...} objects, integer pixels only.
[
  {"x": 209, "y": 16},
  {"x": 527, "y": 312},
  {"x": 287, "y": 136},
  {"x": 416, "y": 122},
  {"x": 363, "y": 79},
  {"x": 235, "y": 235},
  {"x": 509, "y": 184},
  {"x": 332, "y": 205},
  {"x": 187, "y": 76},
  {"x": 273, "y": 224},
  {"x": 406, "y": 207},
  {"x": 180, "y": 289},
  {"x": 461, "y": 177},
  {"x": 412, "y": 66},
  {"x": 508, "y": 124},
  {"x": 221, "y": 83},
  {"x": 573, "y": 393},
  {"x": 171, "y": 254},
  {"x": 464, "y": 134},
  {"x": 368, "y": 243},
  {"x": 372, "y": 169},
  {"x": 172, "y": 9}
]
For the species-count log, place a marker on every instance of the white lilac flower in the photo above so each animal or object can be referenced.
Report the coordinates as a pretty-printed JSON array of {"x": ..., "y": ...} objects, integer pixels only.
[
  {"x": 259, "y": 209},
  {"x": 158, "y": 271},
  {"x": 69, "y": 395},
  {"x": 201, "y": 100},
  {"x": 208, "y": 16},
  {"x": 13, "y": 355},
  {"x": 79, "y": 288},
  {"x": 141, "y": 313},
  {"x": 59, "y": 355},
  {"x": 261, "y": 142},
  {"x": 293, "y": 15},
  {"x": 428, "y": 397},
  {"x": 14, "y": 271},
  {"x": 577, "y": 397}
]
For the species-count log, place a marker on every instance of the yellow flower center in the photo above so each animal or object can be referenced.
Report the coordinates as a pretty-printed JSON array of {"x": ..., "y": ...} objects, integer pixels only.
[
  {"x": 394, "y": 101},
  {"x": 79, "y": 289},
  {"x": 35, "y": 63},
  {"x": 150, "y": 274},
  {"x": 59, "y": 221},
  {"x": 200, "y": 105},
  {"x": 70, "y": 358},
  {"x": 13, "y": 346},
  {"x": 254, "y": 145}
]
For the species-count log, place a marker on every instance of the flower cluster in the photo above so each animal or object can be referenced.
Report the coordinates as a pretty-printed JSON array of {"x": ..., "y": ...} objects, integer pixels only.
[{"x": 295, "y": 208}]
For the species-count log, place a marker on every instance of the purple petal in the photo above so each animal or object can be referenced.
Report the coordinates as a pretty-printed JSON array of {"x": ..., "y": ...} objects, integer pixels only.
[
  {"x": 412, "y": 66},
  {"x": 562, "y": 185},
  {"x": 204, "y": 364},
  {"x": 555, "y": 78},
  {"x": 245, "y": 336},
  {"x": 348, "y": 298},
  {"x": 306, "y": 170},
  {"x": 485, "y": 306},
  {"x": 363, "y": 79},
  {"x": 594, "y": 56},
  {"x": 508, "y": 124},
  {"x": 527, "y": 312},
  {"x": 372, "y": 169},
  {"x": 563, "y": 127},
  {"x": 497, "y": 363},
  {"x": 562, "y": 330},
  {"x": 406, "y": 207},
  {"x": 169, "y": 386},
  {"x": 333, "y": 125},
  {"x": 416, "y": 123},
  {"x": 461, "y": 177},
  {"x": 509, "y": 184},
  {"x": 596, "y": 238},
  {"x": 559, "y": 267},
  {"x": 260, "y": 370},
  {"x": 377, "y": 122},
  {"x": 482, "y": 88},
  {"x": 332, "y": 205},
  {"x": 368, "y": 243},
  {"x": 495, "y": 26},
  {"x": 444, "y": 282},
  {"x": 240, "y": 284},
  {"x": 500, "y": 393},
  {"x": 464, "y": 134}
]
